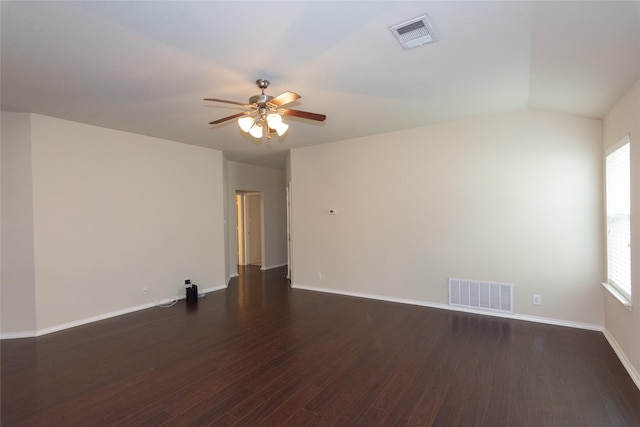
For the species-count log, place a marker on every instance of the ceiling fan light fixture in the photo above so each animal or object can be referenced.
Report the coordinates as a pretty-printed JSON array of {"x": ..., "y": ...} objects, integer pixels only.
[
  {"x": 246, "y": 123},
  {"x": 274, "y": 120},
  {"x": 265, "y": 111},
  {"x": 281, "y": 128},
  {"x": 256, "y": 131}
]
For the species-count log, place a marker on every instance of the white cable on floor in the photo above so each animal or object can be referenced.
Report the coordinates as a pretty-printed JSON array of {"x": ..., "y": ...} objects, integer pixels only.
[{"x": 158, "y": 304}]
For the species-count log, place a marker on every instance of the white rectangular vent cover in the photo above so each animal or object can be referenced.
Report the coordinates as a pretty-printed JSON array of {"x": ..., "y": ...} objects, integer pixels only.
[
  {"x": 481, "y": 295},
  {"x": 414, "y": 33}
]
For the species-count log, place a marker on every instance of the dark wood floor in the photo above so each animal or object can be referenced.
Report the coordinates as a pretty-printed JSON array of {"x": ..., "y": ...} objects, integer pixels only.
[{"x": 260, "y": 353}]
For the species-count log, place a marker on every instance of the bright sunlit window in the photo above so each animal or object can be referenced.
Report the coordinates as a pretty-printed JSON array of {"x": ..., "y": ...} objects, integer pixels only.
[{"x": 618, "y": 199}]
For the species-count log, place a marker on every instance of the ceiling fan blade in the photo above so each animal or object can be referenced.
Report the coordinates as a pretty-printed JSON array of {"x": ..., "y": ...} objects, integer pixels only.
[
  {"x": 224, "y": 119},
  {"x": 303, "y": 114},
  {"x": 227, "y": 102},
  {"x": 283, "y": 99}
]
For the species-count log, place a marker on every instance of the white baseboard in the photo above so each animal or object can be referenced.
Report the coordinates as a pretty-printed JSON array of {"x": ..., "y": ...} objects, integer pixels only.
[
  {"x": 92, "y": 319},
  {"x": 63, "y": 326},
  {"x": 17, "y": 335},
  {"x": 68, "y": 325},
  {"x": 623, "y": 358},
  {"x": 213, "y": 289},
  {"x": 524, "y": 317}
]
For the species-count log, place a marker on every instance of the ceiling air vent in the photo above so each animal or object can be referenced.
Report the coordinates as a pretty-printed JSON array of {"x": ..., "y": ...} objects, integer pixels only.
[{"x": 414, "y": 33}]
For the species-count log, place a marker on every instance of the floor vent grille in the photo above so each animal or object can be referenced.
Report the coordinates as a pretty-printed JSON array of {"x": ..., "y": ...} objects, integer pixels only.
[{"x": 481, "y": 295}]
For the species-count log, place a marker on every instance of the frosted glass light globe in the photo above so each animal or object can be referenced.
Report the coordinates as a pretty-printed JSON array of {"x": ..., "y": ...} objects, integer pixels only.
[
  {"x": 256, "y": 131},
  {"x": 245, "y": 123}
]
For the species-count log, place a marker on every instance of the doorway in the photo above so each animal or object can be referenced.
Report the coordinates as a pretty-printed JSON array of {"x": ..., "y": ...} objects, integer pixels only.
[
  {"x": 249, "y": 227},
  {"x": 289, "y": 248}
]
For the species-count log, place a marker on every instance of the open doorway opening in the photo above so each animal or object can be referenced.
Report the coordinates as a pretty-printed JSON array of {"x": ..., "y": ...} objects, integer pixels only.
[
  {"x": 289, "y": 247},
  {"x": 249, "y": 227}
]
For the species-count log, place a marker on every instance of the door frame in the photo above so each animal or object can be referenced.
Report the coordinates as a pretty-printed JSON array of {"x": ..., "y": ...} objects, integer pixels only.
[
  {"x": 289, "y": 242},
  {"x": 242, "y": 229}
]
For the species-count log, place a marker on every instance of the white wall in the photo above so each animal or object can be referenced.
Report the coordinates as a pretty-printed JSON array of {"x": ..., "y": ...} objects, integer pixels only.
[
  {"x": 623, "y": 326},
  {"x": 271, "y": 183},
  {"x": 114, "y": 212},
  {"x": 511, "y": 198},
  {"x": 17, "y": 278}
]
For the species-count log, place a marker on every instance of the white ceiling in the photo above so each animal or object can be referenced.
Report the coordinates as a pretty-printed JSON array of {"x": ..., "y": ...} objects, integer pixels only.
[{"x": 144, "y": 67}]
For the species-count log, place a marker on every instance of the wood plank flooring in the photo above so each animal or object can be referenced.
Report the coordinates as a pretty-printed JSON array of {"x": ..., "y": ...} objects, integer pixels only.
[{"x": 260, "y": 353}]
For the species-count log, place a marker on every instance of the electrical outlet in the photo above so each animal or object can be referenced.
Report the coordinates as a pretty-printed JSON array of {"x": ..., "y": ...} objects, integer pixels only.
[
  {"x": 537, "y": 300},
  {"x": 318, "y": 276},
  {"x": 145, "y": 290}
]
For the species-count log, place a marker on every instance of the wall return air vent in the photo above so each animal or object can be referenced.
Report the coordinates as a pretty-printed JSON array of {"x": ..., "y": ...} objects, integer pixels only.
[
  {"x": 481, "y": 295},
  {"x": 414, "y": 33}
]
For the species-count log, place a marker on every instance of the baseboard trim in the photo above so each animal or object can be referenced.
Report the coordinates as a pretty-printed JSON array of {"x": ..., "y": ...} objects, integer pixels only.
[
  {"x": 623, "y": 357},
  {"x": 17, "y": 335},
  {"x": 92, "y": 319},
  {"x": 68, "y": 325},
  {"x": 209, "y": 290},
  {"x": 549, "y": 321}
]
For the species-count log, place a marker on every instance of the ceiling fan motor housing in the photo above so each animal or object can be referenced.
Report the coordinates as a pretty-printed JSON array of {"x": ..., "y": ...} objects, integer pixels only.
[{"x": 260, "y": 100}]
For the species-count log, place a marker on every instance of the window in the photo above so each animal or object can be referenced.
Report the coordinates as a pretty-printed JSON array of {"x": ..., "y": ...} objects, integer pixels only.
[{"x": 618, "y": 207}]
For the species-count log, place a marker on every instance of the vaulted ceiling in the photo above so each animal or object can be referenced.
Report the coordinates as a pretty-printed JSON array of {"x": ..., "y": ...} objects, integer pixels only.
[{"x": 144, "y": 67}]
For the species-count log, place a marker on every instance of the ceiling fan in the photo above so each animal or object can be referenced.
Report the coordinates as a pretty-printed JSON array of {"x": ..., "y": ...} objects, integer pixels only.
[{"x": 265, "y": 112}]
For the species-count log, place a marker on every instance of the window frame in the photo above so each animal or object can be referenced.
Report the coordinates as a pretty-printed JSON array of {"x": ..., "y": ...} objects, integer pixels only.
[{"x": 618, "y": 290}]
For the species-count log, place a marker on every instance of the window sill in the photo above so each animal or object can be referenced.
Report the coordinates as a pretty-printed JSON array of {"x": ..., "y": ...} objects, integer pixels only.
[{"x": 617, "y": 295}]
